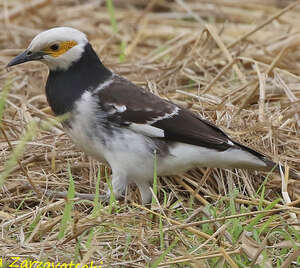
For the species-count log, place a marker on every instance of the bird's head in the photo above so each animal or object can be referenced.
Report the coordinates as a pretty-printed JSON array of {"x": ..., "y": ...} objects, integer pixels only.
[{"x": 58, "y": 48}]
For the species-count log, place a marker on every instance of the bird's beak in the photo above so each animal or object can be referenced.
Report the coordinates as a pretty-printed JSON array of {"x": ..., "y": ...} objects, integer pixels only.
[{"x": 25, "y": 56}]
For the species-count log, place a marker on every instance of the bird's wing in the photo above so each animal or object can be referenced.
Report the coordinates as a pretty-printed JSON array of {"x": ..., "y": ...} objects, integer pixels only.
[{"x": 130, "y": 106}]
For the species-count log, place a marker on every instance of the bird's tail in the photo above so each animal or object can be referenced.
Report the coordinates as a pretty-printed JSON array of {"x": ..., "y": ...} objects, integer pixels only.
[{"x": 266, "y": 164}]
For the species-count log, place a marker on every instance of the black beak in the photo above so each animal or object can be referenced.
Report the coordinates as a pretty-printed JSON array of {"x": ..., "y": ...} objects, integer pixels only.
[{"x": 25, "y": 56}]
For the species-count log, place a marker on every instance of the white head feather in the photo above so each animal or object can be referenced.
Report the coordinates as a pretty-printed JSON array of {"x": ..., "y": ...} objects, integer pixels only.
[{"x": 57, "y": 35}]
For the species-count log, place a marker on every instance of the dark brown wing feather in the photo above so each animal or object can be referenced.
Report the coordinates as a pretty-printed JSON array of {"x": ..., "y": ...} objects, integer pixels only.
[
  {"x": 143, "y": 107},
  {"x": 189, "y": 128}
]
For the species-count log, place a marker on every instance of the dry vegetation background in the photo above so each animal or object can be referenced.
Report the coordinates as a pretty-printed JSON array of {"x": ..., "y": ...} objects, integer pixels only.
[{"x": 236, "y": 63}]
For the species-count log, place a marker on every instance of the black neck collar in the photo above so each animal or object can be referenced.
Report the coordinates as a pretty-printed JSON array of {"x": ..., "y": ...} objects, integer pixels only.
[{"x": 64, "y": 87}]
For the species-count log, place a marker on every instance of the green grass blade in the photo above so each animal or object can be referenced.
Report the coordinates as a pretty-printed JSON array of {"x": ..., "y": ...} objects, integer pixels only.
[
  {"x": 114, "y": 25},
  {"x": 154, "y": 179},
  {"x": 123, "y": 49},
  {"x": 67, "y": 215},
  {"x": 97, "y": 202},
  {"x": 161, "y": 234},
  {"x": 165, "y": 197},
  {"x": 112, "y": 16},
  {"x": 89, "y": 240},
  {"x": 34, "y": 224},
  {"x": 112, "y": 198},
  {"x": 4, "y": 93},
  {"x": 266, "y": 225},
  {"x": 257, "y": 218},
  {"x": 9, "y": 166},
  {"x": 266, "y": 179},
  {"x": 128, "y": 241},
  {"x": 162, "y": 256},
  {"x": 262, "y": 198},
  {"x": 33, "y": 129}
]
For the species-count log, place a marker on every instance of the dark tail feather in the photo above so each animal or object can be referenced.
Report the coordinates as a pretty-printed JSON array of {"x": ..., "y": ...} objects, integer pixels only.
[{"x": 270, "y": 165}]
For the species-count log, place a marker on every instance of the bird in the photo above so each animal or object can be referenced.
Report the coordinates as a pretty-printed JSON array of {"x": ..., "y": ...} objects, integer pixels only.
[{"x": 125, "y": 125}]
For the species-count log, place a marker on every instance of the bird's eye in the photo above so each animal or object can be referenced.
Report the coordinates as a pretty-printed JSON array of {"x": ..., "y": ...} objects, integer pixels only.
[
  {"x": 29, "y": 53},
  {"x": 54, "y": 47}
]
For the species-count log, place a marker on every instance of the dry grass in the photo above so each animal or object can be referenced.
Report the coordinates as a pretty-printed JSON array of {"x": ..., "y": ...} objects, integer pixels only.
[{"x": 237, "y": 63}]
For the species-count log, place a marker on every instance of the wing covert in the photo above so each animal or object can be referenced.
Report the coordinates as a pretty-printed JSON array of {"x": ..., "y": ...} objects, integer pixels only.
[{"x": 128, "y": 105}]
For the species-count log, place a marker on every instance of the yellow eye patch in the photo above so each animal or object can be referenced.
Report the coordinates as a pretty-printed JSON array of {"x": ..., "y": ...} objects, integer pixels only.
[{"x": 58, "y": 49}]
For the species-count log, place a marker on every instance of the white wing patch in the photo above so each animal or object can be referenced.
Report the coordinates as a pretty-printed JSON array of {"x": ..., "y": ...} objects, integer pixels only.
[
  {"x": 147, "y": 130},
  {"x": 120, "y": 108},
  {"x": 151, "y": 131},
  {"x": 230, "y": 142},
  {"x": 105, "y": 84},
  {"x": 165, "y": 116}
]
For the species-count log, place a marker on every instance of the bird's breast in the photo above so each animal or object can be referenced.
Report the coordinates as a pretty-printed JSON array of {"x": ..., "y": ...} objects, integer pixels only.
[{"x": 85, "y": 127}]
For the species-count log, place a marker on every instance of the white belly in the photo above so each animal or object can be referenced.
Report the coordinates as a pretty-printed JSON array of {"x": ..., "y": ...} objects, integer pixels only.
[{"x": 124, "y": 151}]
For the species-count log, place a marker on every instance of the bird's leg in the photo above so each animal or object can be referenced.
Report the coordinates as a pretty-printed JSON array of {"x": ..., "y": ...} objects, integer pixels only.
[
  {"x": 119, "y": 185},
  {"x": 145, "y": 192}
]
